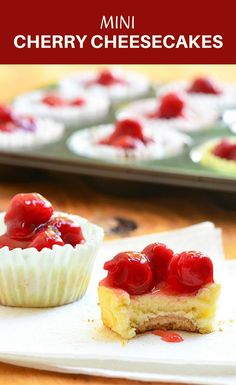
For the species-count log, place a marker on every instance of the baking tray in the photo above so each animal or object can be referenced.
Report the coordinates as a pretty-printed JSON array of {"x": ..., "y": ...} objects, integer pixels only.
[{"x": 178, "y": 170}]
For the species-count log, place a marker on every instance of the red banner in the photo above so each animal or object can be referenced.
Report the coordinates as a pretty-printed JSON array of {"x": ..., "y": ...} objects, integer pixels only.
[{"x": 118, "y": 32}]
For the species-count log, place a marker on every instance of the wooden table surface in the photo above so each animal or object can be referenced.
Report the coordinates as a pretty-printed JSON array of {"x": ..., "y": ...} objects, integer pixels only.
[{"x": 148, "y": 211}]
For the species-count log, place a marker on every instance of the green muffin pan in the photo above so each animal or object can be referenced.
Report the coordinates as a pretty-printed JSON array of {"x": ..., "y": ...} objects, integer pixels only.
[{"x": 178, "y": 170}]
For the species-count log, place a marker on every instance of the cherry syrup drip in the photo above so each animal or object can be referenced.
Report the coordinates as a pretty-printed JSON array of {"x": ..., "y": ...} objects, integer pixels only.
[{"x": 168, "y": 336}]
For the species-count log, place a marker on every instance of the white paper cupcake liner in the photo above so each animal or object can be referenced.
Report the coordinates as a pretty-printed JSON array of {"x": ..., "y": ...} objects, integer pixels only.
[
  {"x": 203, "y": 155},
  {"x": 167, "y": 142},
  {"x": 137, "y": 85},
  {"x": 221, "y": 101},
  {"x": 198, "y": 117},
  {"x": 96, "y": 108},
  {"x": 46, "y": 131},
  {"x": 31, "y": 278}
]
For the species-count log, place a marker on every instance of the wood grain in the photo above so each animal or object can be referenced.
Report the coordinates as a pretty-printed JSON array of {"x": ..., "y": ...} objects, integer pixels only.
[{"x": 151, "y": 210}]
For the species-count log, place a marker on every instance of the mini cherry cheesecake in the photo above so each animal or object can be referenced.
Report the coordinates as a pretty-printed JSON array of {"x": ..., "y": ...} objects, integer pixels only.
[
  {"x": 128, "y": 139},
  {"x": 114, "y": 83},
  {"x": 218, "y": 154},
  {"x": 205, "y": 91},
  {"x": 72, "y": 109},
  {"x": 46, "y": 257},
  {"x": 173, "y": 109},
  {"x": 17, "y": 130},
  {"x": 156, "y": 289}
]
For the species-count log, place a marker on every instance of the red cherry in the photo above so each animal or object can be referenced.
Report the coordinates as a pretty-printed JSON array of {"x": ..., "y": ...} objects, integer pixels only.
[
  {"x": 69, "y": 231},
  {"x": 25, "y": 213},
  {"x": 53, "y": 100},
  {"x": 224, "y": 149},
  {"x": 233, "y": 154},
  {"x": 78, "y": 102},
  {"x": 128, "y": 127},
  {"x": 159, "y": 256},
  {"x": 204, "y": 85},
  {"x": 46, "y": 238},
  {"x": 130, "y": 271},
  {"x": 6, "y": 114},
  {"x": 171, "y": 106},
  {"x": 108, "y": 78},
  {"x": 189, "y": 271}
]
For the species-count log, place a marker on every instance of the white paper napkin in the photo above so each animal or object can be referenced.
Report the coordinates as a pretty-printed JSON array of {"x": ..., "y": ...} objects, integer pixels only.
[{"x": 72, "y": 338}]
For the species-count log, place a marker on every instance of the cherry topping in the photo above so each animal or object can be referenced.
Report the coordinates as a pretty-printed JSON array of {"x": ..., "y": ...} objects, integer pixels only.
[
  {"x": 130, "y": 271},
  {"x": 108, "y": 77},
  {"x": 25, "y": 213},
  {"x": 171, "y": 106},
  {"x": 189, "y": 271},
  {"x": 46, "y": 238},
  {"x": 53, "y": 100},
  {"x": 128, "y": 134},
  {"x": 78, "y": 102},
  {"x": 69, "y": 231},
  {"x": 159, "y": 256},
  {"x": 6, "y": 114},
  {"x": 225, "y": 149},
  {"x": 204, "y": 85}
]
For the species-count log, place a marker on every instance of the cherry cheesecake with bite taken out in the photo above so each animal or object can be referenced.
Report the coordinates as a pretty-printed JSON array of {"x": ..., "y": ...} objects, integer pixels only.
[
  {"x": 46, "y": 257},
  {"x": 158, "y": 290}
]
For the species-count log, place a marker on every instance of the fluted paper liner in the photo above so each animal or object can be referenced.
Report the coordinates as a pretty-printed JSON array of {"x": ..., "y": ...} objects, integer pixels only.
[{"x": 31, "y": 278}]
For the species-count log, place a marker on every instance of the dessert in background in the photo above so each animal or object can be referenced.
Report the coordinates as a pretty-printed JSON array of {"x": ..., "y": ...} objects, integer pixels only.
[
  {"x": 128, "y": 139},
  {"x": 218, "y": 154},
  {"x": 18, "y": 130},
  {"x": 157, "y": 289},
  {"x": 205, "y": 91},
  {"x": 46, "y": 257},
  {"x": 72, "y": 109},
  {"x": 114, "y": 83},
  {"x": 173, "y": 109}
]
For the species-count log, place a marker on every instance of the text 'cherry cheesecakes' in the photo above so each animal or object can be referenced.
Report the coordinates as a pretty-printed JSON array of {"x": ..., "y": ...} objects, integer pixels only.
[
  {"x": 71, "y": 109},
  {"x": 113, "y": 83},
  {"x": 46, "y": 257},
  {"x": 158, "y": 290},
  {"x": 173, "y": 109},
  {"x": 218, "y": 154},
  {"x": 18, "y": 130},
  {"x": 128, "y": 139}
]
